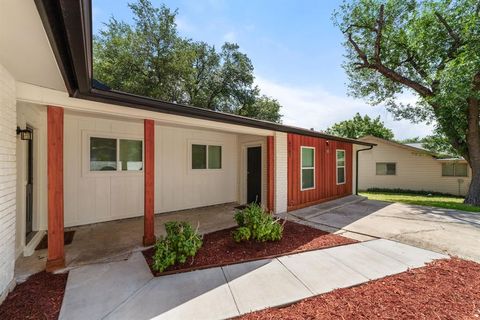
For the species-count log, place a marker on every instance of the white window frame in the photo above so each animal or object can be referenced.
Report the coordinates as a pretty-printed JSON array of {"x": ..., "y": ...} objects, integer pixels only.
[
  {"x": 454, "y": 170},
  {"x": 301, "y": 168},
  {"x": 385, "y": 175},
  {"x": 86, "y": 135},
  {"x": 344, "y": 167},
  {"x": 205, "y": 143}
]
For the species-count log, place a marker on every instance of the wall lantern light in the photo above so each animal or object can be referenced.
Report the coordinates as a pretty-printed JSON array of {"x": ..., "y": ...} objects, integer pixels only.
[{"x": 25, "y": 134}]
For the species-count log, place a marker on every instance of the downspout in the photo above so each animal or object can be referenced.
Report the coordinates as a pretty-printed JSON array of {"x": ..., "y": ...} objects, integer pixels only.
[{"x": 356, "y": 168}]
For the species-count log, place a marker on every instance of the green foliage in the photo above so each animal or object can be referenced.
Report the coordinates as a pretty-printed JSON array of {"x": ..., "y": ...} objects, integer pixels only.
[
  {"x": 149, "y": 58},
  {"x": 181, "y": 242},
  {"x": 361, "y": 126},
  {"x": 261, "y": 225},
  {"x": 242, "y": 234},
  {"x": 428, "y": 48},
  {"x": 408, "y": 191}
]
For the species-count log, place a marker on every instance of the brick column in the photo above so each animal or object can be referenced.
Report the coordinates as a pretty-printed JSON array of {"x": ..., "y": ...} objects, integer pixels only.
[
  {"x": 149, "y": 179},
  {"x": 56, "y": 252}
]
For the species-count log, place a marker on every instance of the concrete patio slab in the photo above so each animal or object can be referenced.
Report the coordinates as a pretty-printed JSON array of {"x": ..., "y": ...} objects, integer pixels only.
[
  {"x": 261, "y": 284},
  {"x": 321, "y": 272},
  {"x": 409, "y": 255},
  {"x": 312, "y": 211},
  {"x": 200, "y": 294},
  {"x": 93, "y": 291},
  {"x": 366, "y": 261}
]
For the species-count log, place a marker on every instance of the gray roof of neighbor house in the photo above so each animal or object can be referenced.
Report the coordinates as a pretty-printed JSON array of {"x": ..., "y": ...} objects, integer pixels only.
[{"x": 68, "y": 27}]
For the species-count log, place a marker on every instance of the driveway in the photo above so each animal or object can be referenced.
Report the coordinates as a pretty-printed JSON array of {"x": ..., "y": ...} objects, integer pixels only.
[{"x": 447, "y": 231}]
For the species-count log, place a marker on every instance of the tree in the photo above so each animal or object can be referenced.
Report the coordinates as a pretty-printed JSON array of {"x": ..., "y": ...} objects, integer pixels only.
[
  {"x": 361, "y": 126},
  {"x": 149, "y": 58},
  {"x": 430, "y": 48}
]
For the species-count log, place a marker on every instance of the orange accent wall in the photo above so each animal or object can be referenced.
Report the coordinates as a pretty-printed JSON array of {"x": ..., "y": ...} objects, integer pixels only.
[
  {"x": 270, "y": 172},
  {"x": 149, "y": 180},
  {"x": 326, "y": 187},
  {"x": 56, "y": 252}
]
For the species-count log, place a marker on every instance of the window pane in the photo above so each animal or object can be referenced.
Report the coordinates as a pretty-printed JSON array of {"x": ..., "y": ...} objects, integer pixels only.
[
  {"x": 341, "y": 163},
  {"x": 461, "y": 170},
  {"x": 340, "y": 175},
  {"x": 340, "y": 156},
  {"x": 307, "y": 178},
  {"x": 307, "y": 157},
  {"x": 103, "y": 154},
  {"x": 391, "y": 169},
  {"x": 214, "y": 157},
  {"x": 381, "y": 169},
  {"x": 447, "y": 169},
  {"x": 131, "y": 154},
  {"x": 199, "y": 156}
]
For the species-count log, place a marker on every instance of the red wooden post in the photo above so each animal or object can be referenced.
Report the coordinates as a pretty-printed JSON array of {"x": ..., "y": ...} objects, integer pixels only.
[
  {"x": 149, "y": 179},
  {"x": 56, "y": 252},
  {"x": 270, "y": 173}
]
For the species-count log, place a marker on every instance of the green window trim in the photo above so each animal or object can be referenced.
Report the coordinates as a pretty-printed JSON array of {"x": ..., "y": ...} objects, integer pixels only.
[{"x": 307, "y": 168}]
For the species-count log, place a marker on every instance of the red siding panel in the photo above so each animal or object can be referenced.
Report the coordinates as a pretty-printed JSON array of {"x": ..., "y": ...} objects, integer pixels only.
[{"x": 326, "y": 187}]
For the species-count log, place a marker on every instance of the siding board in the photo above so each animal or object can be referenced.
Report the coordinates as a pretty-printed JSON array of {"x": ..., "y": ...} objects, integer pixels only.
[{"x": 326, "y": 187}]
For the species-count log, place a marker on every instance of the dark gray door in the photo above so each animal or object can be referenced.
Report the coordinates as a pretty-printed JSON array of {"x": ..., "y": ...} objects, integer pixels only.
[
  {"x": 29, "y": 188},
  {"x": 254, "y": 174}
]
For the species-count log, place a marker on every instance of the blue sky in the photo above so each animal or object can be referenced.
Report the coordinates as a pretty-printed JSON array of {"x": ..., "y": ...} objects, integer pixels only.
[{"x": 294, "y": 47}]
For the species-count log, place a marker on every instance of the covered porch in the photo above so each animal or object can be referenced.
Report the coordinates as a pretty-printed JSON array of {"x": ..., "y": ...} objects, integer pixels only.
[{"x": 122, "y": 208}]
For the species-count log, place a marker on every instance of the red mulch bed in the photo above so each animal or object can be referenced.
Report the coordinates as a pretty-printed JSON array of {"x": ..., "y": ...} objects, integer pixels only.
[
  {"x": 219, "y": 248},
  {"x": 40, "y": 297},
  {"x": 445, "y": 289}
]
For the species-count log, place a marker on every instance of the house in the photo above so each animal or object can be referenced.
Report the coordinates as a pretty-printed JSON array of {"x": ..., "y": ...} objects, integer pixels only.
[
  {"x": 73, "y": 153},
  {"x": 393, "y": 165}
]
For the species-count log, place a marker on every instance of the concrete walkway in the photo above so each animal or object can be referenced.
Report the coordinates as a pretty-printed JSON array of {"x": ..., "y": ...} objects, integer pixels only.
[
  {"x": 127, "y": 290},
  {"x": 442, "y": 230}
]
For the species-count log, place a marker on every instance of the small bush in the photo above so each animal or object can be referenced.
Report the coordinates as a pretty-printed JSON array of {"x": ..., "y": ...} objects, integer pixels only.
[
  {"x": 408, "y": 191},
  {"x": 180, "y": 243},
  {"x": 242, "y": 234},
  {"x": 261, "y": 226}
]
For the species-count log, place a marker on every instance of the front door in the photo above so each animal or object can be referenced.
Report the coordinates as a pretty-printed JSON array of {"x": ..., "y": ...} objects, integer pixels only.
[
  {"x": 29, "y": 189},
  {"x": 254, "y": 174}
]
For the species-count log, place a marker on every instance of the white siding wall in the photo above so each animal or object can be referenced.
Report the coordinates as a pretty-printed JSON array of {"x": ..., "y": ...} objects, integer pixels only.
[
  {"x": 177, "y": 186},
  {"x": 281, "y": 172},
  {"x": 98, "y": 196},
  {"x": 7, "y": 180},
  {"x": 245, "y": 141},
  {"x": 415, "y": 171}
]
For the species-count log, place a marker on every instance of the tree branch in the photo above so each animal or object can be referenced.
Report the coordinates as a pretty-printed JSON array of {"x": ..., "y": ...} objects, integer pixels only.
[
  {"x": 450, "y": 31},
  {"x": 378, "y": 40}
]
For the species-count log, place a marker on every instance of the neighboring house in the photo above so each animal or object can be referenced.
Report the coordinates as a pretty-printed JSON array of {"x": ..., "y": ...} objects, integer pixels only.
[
  {"x": 84, "y": 154},
  {"x": 394, "y": 165}
]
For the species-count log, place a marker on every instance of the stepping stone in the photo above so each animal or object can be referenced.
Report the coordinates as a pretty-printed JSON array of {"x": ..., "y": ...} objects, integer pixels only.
[
  {"x": 93, "y": 291},
  {"x": 202, "y": 294},
  {"x": 320, "y": 272},
  {"x": 264, "y": 283},
  {"x": 411, "y": 256},
  {"x": 366, "y": 261}
]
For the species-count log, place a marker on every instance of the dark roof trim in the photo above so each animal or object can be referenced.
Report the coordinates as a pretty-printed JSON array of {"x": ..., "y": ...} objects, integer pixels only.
[{"x": 68, "y": 27}]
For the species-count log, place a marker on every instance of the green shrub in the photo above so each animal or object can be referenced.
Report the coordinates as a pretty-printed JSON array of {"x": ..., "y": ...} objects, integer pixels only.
[
  {"x": 261, "y": 225},
  {"x": 242, "y": 234},
  {"x": 180, "y": 243}
]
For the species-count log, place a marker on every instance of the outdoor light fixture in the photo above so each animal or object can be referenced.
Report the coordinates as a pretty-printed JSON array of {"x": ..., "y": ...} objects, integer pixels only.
[{"x": 25, "y": 134}]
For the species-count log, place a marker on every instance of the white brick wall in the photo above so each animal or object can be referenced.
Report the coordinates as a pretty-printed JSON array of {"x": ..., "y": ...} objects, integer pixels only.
[
  {"x": 281, "y": 174},
  {"x": 7, "y": 180}
]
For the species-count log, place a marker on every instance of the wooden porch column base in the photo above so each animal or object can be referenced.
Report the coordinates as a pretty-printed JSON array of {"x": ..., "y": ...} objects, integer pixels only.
[
  {"x": 53, "y": 265},
  {"x": 148, "y": 241}
]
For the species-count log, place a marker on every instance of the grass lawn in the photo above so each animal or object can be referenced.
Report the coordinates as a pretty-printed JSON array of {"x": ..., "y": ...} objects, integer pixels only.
[{"x": 432, "y": 201}]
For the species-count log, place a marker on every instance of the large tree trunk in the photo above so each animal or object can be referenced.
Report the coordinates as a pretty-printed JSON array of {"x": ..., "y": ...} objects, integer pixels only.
[{"x": 473, "y": 143}]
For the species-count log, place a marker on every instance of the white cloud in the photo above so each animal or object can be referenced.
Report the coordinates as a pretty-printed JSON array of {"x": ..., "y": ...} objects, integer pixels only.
[
  {"x": 230, "y": 36},
  {"x": 315, "y": 107}
]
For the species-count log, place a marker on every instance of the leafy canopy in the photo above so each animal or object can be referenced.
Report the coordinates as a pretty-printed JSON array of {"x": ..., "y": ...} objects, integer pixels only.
[
  {"x": 361, "y": 126},
  {"x": 150, "y": 58}
]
